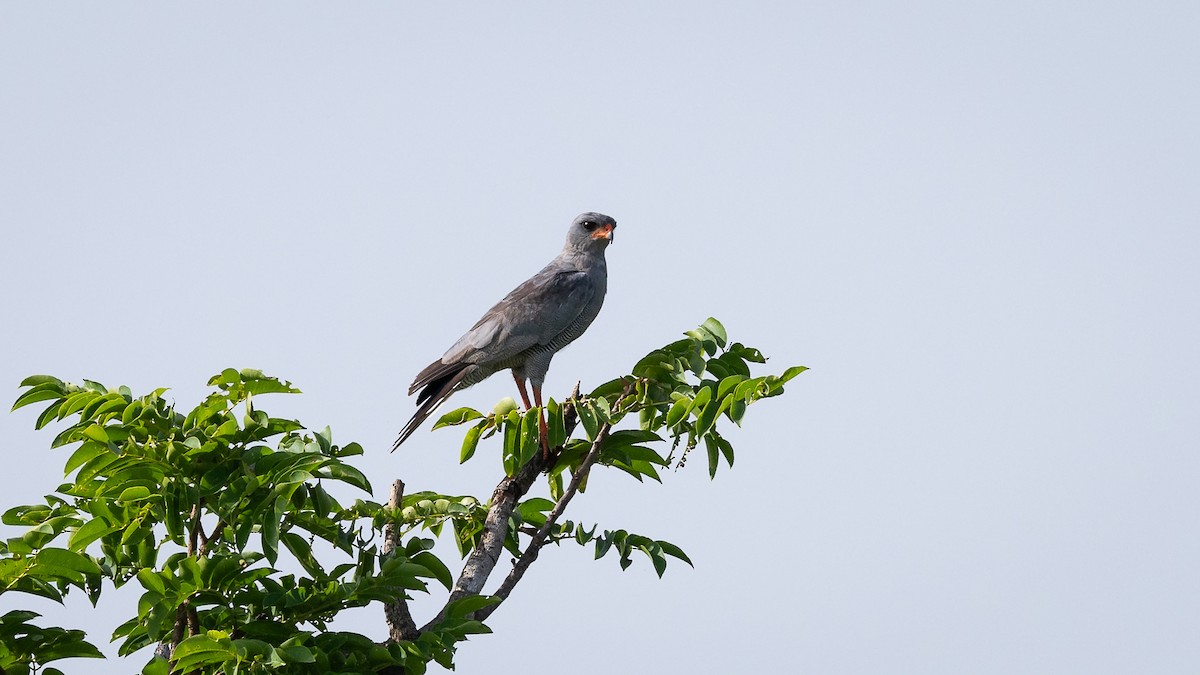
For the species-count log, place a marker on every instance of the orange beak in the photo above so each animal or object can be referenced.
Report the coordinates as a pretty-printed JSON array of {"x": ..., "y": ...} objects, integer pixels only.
[{"x": 605, "y": 232}]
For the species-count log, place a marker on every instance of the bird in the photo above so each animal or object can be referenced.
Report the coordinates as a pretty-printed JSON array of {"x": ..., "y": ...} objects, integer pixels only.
[{"x": 527, "y": 328}]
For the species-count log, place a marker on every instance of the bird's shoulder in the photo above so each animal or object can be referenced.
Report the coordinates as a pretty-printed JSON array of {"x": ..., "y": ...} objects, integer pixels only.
[
  {"x": 534, "y": 313},
  {"x": 552, "y": 291}
]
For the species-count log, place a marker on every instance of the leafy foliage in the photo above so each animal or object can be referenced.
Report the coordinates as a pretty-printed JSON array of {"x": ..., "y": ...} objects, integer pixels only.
[
  {"x": 24, "y": 645},
  {"x": 679, "y": 392},
  {"x": 223, "y": 514}
]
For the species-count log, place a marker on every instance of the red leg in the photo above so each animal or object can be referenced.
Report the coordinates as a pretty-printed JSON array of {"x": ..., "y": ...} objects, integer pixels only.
[
  {"x": 543, "y": 432},
  {"x": 524, "y": 394}
]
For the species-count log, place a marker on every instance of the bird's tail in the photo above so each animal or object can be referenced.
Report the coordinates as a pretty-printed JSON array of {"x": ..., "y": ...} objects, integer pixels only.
[{"x": 435, "y": 391}]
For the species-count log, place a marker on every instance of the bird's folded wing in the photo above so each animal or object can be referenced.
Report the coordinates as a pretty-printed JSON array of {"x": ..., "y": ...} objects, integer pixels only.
[{"x": 534, "y": 313}]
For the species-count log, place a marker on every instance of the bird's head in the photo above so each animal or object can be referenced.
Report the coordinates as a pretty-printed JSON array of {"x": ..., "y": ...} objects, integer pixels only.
[{"x": 591, "y": 232}]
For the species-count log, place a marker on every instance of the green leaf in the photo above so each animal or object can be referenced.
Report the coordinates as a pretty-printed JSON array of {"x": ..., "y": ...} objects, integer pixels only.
[
  {"x": 469, "y": 605},
  {"x": 302, "y": 550},
  {"x": 792, "y": 372},
  {"x": 269, "y": 385},
  {"x": 436, "y": 567},
  {"x": 95, "y": 386},
  {"x": 640, "y": 453},
  {"x": 777, "y": 386},
  {"x": 726, "y": 449},
  {"x": 201, "y": 650},
  {"x": 654, "y": 552},
  {"x": 347, "y": 474},
  {"x": 75, "y": 402},
  {"x": 39, "y": 393},
  {"x": 152, "y": 581},
  {"x": 112, "y": 403},
  {"x": 674, "y": 551},
  {"x": 714, "y": 328},
  {"x": 710, "y": 444},
  {"x": 530, "y": 436},
  {"x": 30, "y": 514},
  {"x": 729, "y": 384},
  {"x": 60, "y": 562},
  {"x": 134, "y": 494},
  {"x": 49, "y": 414},
  {"x": 296, "y": 654},
  {"x": 270, "y": 529},
  {"x": 89, "y": 532},
  {"x": 132, "y": 411},
  {"x": 470, "y": 443},
  {"x": 749, "y": 390},
  {"x": 456, "y": 417},
  {"x": 35, "y": 380},
  {"x": 157, "y": 666},
  {"x": 707, "y": 417},
  {"x": 84, "y": 454},
  {"x": 601, "y": 408},
  {"x": 737, "y": 410},
  {"x": 747, "y": 353},
  {"x": 603, "y": 544},
  {"x": 96, "y": 433},
  {"x": 588, "y": 418},
  {"x": 630, "y": 437},
  {"x": 703, "y": 396},
  {"x": 556, "y": 433},
  {"x": 531, "y": 510},
  {"x": 678, "y": 411},
  {"x": 706, "y": 339},
  {"x": 610, "y": 389},
  {"x": 657, "y": 365}
]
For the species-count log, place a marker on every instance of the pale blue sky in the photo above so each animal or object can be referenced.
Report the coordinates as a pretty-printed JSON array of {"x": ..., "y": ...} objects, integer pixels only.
[{"x": 976, "y": 223}]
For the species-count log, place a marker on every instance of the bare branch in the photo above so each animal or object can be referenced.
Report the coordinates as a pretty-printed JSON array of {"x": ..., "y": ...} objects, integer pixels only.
[
  {"x": 177, "y": 632},
  {"x": 193, "y": 619},
  {"x": 482, "y": 559},
  {"x": 539, "y": 539},
  {"x": 216, "y": 534},
  {"x": 401, "y": 626},
  {"x": 194, "y": 530}
]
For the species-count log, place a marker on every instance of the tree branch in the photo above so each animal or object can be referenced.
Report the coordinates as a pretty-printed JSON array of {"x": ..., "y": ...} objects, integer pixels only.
[
  {"x": 193, "y": 618},
  {"x": 539, "y": 539},
  {"x": 216, "y": 534},
  {"x": 193, "y": 530},
  {"x": 401, "y": 626},
  {"x": 508, "y": 492}
]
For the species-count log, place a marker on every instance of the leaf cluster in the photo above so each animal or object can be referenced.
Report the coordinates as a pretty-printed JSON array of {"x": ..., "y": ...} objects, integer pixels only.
[{"x": 197, "y": 507}]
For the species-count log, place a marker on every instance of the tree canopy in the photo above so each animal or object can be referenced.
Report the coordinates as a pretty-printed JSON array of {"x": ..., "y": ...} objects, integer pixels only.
[{"x": 207, "y": 511}]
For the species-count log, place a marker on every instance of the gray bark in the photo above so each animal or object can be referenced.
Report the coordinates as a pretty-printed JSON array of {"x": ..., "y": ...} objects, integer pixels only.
[{"x": 401, "y": 626}]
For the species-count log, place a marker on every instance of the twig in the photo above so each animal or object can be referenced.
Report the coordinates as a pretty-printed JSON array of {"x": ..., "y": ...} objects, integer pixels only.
[
  {"x": 193, "y": 530},
  {"x": 401, "y": 626},
  {"x": 216, "y": 534}
]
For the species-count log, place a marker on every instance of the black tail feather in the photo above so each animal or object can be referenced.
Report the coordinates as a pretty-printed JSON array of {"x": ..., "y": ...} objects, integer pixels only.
[{"x": 434, "y": 392}]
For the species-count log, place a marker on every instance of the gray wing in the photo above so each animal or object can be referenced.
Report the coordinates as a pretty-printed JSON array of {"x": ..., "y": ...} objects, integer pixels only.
[{"x": 535, "y": 313}]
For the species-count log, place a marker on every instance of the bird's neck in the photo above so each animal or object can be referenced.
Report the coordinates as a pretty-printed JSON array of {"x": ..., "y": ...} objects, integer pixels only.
[{"x": 584, "y": 261}]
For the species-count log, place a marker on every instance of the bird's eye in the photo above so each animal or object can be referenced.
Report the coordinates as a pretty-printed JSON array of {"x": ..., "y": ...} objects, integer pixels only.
[{"x": 589, "y": 225}]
